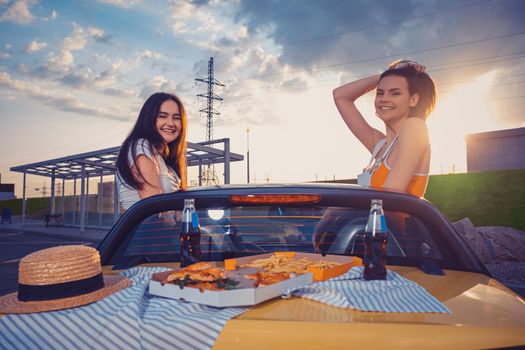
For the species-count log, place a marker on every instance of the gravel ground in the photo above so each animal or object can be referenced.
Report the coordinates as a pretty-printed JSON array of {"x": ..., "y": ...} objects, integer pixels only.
[{"x": 511, "y": 274}]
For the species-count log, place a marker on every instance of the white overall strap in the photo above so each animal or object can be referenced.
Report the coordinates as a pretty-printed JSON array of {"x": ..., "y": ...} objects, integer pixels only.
[
  {"x": 378, "y": 147},
  {"x": 388, "y": 149},
  {"x": 375, "y": 152}
]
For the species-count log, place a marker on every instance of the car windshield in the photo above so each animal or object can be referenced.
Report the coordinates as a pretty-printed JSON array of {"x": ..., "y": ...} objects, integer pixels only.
[{"x": 249, "y": 230}]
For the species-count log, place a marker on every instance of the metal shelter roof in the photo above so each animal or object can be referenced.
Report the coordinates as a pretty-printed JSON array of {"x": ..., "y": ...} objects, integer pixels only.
[{"x": 102, "y": 162}]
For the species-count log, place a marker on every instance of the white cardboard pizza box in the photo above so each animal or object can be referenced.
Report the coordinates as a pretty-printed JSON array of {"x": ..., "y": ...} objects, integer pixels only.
[{"x": 244, "y": 294}]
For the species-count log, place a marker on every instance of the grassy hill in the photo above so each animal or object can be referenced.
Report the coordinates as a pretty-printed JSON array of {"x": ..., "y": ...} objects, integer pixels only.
[
  {"x": 492, "y": 198},
  {"x": 35, "y": 206},
  {"x": 38, "y": 207}
]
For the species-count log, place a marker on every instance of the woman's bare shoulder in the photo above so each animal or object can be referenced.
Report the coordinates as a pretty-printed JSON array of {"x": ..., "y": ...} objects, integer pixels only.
[{"x": 414, "y": 130}]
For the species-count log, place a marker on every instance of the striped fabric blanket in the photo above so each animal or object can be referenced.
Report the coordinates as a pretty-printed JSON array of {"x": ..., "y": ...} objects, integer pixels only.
[
  {"x": 350, "y": 290},
  {"x": 129, "y": 319}
]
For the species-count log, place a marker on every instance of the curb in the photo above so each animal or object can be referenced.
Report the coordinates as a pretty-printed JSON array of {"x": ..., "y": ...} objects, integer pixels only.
[{"x": 51, "y": 234}]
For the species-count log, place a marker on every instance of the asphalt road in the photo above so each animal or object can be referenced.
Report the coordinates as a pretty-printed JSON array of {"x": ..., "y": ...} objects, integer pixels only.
[{"x": 15, "y": 245}]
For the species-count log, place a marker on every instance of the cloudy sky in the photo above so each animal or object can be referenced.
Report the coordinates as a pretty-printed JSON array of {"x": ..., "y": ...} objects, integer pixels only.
[{"x": 74, "y": 74}]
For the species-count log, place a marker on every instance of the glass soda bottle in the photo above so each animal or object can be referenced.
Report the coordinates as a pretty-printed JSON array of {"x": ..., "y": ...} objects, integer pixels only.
[
  {"x": 190, "y": 235},
  {"x": 375, "y": 243}
]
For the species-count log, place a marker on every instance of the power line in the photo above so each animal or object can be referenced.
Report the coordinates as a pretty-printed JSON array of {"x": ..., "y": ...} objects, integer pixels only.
[
  {"x": 400, "y": 54},
  {"x": 327, "y": 85},
  {"x": 506, "y": 98},
  {"x": 510, "y": 83},
  {"x": 478, "y": 59},
  {"x": 385, "y": 23},
  {"x": 491, "y": 85},
  {"x": 483, "y": 61},
  {"x": 378, "y": 25},
  {"x": 471, "y": 80},
  {"x": 478, "y": 63}
]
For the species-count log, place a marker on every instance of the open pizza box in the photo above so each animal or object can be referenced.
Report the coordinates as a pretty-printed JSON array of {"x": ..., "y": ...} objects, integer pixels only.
[{"x": 245, "y": 292}]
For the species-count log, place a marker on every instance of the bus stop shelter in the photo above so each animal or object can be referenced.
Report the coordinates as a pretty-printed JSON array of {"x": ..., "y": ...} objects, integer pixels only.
[{"x": 102, "y": 163}]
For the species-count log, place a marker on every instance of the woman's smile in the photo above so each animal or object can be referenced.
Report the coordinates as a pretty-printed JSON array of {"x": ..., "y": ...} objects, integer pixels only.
[
  {"x": 392, "y": 98},
  {"x": 169, "y": 122}
]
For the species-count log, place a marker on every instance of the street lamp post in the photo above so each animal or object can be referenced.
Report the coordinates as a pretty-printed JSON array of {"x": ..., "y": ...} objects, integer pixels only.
[{"x": 248, "y": 155}]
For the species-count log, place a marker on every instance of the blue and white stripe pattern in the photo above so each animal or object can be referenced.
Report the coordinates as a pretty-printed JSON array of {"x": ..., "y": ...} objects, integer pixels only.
[
  {"x": 350, "y": 290},
  {"x": 129, "y": 319}
]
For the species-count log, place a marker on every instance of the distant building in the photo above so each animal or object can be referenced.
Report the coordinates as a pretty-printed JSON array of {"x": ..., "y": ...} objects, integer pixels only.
[
  {"x": 7, "y": 191},
  {"x": 496, "y": 150}
]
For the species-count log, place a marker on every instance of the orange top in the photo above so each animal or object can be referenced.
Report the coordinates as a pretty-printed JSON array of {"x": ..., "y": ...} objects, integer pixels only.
[
  {"x": 416, "y": 187},
  {"x": 376, "y": 172}
]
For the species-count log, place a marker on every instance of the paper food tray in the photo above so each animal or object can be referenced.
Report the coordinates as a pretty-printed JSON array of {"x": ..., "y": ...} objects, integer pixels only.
[{"x": 319, "y": 274}]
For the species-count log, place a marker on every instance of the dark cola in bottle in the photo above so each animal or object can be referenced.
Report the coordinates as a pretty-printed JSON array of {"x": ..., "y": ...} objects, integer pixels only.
[
  {"x": 375, "y": 243},
  {"x": 190, "y": 235}
]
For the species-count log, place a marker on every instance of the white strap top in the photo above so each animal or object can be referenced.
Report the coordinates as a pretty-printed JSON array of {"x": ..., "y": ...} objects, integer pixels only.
[
  {"x": 364, "y": 178},
  {"x": 169, "y": 181}
]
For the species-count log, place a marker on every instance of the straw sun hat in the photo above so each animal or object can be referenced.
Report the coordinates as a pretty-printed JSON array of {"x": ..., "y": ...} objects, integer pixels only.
[{"x": 60, "y": 278}]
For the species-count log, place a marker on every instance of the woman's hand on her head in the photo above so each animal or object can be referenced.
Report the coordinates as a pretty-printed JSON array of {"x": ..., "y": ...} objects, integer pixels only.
[
  {"x": 407, "y": 63},
  {"x": 344, "y": 97}
]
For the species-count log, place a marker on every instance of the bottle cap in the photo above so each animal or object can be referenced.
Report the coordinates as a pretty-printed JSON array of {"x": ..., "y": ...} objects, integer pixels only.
[{"x": 377, "y": 202}]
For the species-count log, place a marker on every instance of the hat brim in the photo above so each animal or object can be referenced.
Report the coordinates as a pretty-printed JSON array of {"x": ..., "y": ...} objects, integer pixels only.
[{"x": 9, "y": 304}]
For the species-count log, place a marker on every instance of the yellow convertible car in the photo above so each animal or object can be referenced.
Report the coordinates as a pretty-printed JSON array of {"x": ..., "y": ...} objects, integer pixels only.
[
  {"x": 437, "y": 295},
  {"x": 423, "y": 247}
]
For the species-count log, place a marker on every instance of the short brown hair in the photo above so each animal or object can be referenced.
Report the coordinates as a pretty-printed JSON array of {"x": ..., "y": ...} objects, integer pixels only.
[{"x": 418, "y": 83}]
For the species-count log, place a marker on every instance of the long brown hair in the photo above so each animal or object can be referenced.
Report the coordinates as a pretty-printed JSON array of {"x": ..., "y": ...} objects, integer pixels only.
[
  {"x": 182, "y": 147},
  {"x": 174, "y": 153}
]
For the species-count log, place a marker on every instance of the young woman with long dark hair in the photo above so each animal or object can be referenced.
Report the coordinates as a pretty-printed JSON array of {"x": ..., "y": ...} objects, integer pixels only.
[{"x": 152, "y": 159}]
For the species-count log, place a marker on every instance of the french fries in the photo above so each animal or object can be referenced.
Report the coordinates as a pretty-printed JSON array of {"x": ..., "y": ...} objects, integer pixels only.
[{"x": 282, "y": 263}]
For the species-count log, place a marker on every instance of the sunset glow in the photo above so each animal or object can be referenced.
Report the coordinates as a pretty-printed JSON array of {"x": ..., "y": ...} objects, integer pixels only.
[
  {"x": 74, "y": 74},
  {"x": 463, "y": 110}
]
